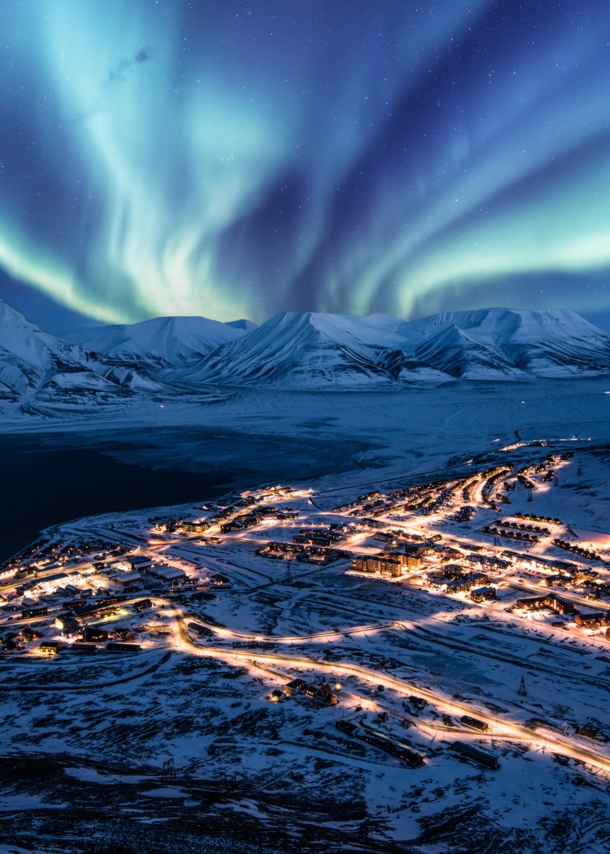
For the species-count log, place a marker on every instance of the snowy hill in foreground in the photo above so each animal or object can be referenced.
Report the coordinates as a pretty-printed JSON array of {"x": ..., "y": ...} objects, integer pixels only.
[{"x": 162, "y": 342}]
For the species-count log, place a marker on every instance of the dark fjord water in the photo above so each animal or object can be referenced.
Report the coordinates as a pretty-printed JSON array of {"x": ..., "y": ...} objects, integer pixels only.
[{"x": 52, "y": 478}]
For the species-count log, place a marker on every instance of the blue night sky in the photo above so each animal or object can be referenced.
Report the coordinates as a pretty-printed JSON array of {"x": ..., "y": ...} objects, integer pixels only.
[{"x": 231, "y": 158}]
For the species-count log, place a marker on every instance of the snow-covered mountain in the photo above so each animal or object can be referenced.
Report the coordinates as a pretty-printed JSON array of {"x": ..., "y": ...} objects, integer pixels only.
[
  {"x": 247, "y": 325},
  {"x": 298, "y": 350},
  {"x": 38, "y": 370},
  {"x": 161, "y": 343},
  {"x": 309, "y": 350},
  {"x": 505, "y": 343},
  {"x": 34, "y": 364},
  {"x": 314, "y": 351},
  {"x": 460, "y": 354}
]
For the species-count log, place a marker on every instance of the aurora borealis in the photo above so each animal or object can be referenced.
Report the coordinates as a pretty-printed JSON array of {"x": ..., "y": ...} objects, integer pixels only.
[{"x": 231, "y": 158}]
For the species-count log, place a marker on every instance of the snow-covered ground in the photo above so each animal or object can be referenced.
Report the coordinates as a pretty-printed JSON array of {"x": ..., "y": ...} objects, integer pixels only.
[{"x": 283, "y": 775}]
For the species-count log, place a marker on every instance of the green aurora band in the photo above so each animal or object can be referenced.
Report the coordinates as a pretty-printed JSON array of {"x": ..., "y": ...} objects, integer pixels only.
[{"x": 233, "y": 159}]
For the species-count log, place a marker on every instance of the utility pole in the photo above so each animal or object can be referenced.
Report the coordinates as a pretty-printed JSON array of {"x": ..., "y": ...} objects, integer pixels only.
[
  {"x": 168, "y": 772},
  {"x": 365, "y": 831}
]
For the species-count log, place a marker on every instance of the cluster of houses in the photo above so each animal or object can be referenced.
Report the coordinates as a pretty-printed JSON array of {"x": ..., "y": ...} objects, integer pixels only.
[
  {"x": 451, "y": 578},
  {"x": 423, "y": 498},
  {"x": 87, "y": 638},
  {"x": 492, "y": 477},
  {"x": 454, "y": 579},
  {"x": 82, "y": 602},
  {"x": 576, "y": 549},
  {"x": 496, "y": 531},
  {"x": 395, "y": 561},
  {"x": 229, "y": 510},
  {"x": 322, "y": 694},
  {"x": 386, "y": 564},
  {"x": 587, "y": 620},
  {"x": 489, "y": 561},
  {"x": 328, "y": 535},
  {"x": 526, "y": 482},
  {"x": 563, "y": 573},
  {"x": 522, "y": 526},
  {"x": 550, "y": 601},
  {"x": 540, "y": 563},
  {"x": 320, "y": 555},
  {"x": 46, "y": 554},
  {"x": 464, "y": 514},
  {"x": 254, "y": 517},
  {"x": 132, "y": 573},
  {"x": 280, "y": 551},
  {"x": 310, "y": 545},
  {"x": 534, "y": 518},
  {"x": 168, "y": 524}
]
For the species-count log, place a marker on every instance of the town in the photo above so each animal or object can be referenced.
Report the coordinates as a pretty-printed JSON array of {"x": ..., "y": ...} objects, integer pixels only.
[{"x": 453, "y": 622}]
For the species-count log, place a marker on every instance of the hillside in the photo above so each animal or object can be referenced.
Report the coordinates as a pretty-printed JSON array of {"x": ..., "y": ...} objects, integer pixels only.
[
  {"x": 160, "y": 343},
  {"x": 315, "y": 351}
]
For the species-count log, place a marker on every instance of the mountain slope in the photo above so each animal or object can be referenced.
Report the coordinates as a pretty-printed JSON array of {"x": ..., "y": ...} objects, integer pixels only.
[
  {"x": 247, "y": 325},
  {"x": 37, "y": 369},
  {"x": 162, "y": 342},
  {"x": 181, "y": 357},
  {"x": 505, "y": 343},
  {"x": 31, "y": 359},
  {"x": 309, "y": 350},
  {"x": 461, "y": 355}
]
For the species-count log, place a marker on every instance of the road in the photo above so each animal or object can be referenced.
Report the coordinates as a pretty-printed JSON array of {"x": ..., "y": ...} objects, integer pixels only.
[
  {"x": 498, "y": 725},
  {"x": 401, "y": 686}
]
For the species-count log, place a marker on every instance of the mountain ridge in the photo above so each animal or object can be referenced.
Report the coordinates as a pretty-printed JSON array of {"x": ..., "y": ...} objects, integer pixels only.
[
  {"x": 161, "y": 342},
  {"x": 314, "y": 350},
  {"x": 182, "y": 356}
]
